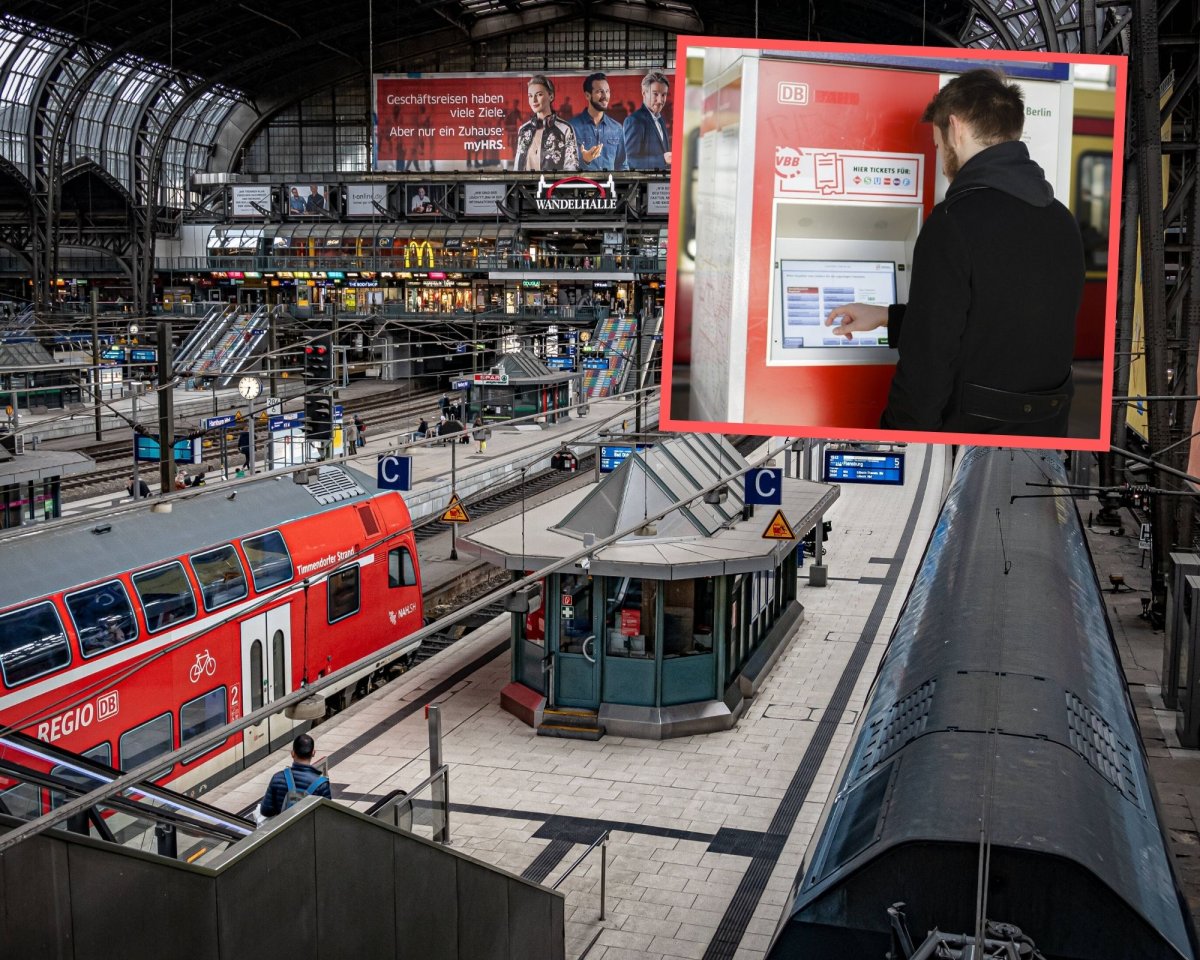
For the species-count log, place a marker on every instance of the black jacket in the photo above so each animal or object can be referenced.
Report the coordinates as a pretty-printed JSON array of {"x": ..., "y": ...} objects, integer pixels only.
[{"x": 988, "y": 333}]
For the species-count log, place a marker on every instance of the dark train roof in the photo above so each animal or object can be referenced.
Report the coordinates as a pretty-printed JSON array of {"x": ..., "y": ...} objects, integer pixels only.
[
  {"x": 53, "y": 558},
  {"x": 1001, "y": 674}
]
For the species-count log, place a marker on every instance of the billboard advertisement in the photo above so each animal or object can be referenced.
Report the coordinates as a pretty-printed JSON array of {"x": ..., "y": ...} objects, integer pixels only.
[
  {"x": 365, "y": 199},
  {"x": 250, "y": 200},
  {"x": 523, "y": 121},
  {"x": 307, "y": 199},
  {"x": 480, "y": 199},
  {"x": 424, "y": 199}
]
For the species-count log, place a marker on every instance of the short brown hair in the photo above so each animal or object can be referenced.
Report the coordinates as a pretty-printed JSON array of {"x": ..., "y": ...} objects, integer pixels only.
[{"x": 984, "y": 99}]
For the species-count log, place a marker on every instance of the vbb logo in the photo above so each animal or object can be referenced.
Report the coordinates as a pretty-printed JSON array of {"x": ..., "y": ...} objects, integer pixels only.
[
  {"x": 787, "y": 161},
  {"x": 793, "y": 93}
]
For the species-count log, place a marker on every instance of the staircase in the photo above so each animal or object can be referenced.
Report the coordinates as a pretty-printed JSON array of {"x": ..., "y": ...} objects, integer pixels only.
[{"x": 570, "y": 724}]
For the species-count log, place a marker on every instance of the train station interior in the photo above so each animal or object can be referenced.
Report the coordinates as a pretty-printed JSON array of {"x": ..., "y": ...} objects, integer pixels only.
[{"x": 457, "y": 501}]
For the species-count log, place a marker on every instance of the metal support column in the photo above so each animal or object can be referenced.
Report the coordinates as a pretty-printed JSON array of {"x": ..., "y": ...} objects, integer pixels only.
[
  {"x": 166, "y": 409},
  {"x": 95, "y": 309}
]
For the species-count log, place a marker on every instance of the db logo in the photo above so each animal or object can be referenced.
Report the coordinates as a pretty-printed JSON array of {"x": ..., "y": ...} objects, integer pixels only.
[
  {"x": 107, "y": 705},
  {"x": 787, "y": 161},
  {"x": 793, "y": 93}
]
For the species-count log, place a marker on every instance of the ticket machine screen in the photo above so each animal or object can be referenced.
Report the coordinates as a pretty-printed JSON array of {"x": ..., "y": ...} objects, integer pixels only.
[{"x": 809, "y": 289}]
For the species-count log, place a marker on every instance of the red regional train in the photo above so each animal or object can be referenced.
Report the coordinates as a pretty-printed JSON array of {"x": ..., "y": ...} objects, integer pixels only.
[{"x": 124, "y": 639}]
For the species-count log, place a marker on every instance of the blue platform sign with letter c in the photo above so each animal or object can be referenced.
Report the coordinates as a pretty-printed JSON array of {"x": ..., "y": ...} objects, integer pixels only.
[
  {"x": 764, "y": 485},
  {"x": 394, "y": 472}
]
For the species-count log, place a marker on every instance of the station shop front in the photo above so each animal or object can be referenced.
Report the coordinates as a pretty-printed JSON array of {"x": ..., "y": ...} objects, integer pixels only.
[{"x": 669, "y": 630}]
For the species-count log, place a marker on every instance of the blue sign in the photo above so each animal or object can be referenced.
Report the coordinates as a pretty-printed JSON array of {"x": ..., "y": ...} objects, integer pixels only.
[
  {"x": 460, "y": 348},
  {"x": 394, "y": 472},
  {"x": 612, "y": 456},
  {"x": 116, "y": 353},
  {"x": 142, "y": 356},
  {"x": 215, "y": 423},
  {"x": 258, "y": 331},
  {"x": 764, "y": 485},
  {"x": 286, "y": 421},
  {"x": 595, "y": 363},
  {"x": 842, "y": 466},
  {"x": 460, "y": 385},
  {"x": 560, "y": 363}
]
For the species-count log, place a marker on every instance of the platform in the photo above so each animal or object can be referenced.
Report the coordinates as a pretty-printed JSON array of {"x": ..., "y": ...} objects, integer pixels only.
[{"x": 708, "y": 831}]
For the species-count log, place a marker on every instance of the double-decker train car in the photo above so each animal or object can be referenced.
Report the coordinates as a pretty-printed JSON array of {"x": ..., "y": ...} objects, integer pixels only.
[
  {"x": 124, "y": 638},
  {"x": 996, "y": 772}
]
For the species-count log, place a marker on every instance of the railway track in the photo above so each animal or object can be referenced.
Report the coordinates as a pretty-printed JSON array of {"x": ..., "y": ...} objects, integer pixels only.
[{"x": 383, "y": 412}]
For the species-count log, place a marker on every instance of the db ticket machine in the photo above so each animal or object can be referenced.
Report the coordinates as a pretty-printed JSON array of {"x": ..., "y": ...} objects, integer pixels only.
[{"x": 814, "y": 178}]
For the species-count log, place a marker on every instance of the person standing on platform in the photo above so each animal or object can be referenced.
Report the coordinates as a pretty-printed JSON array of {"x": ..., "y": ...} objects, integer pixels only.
[
  {"x": 360, "y": 427},
  {"x": 480, "y": 433},
  {"x": 987, "y": 337},
  {"x": 601, "y": 140},
  {"x": 301, "y": 778},
  {"x": 351, "y": 432}
]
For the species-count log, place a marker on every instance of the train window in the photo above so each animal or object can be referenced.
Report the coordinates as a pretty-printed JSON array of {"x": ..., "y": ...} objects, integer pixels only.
[
  {"x": 22, "y": 801},
  {"x": 402, "y": 572},
  {"x": 142, "y": 744},
  {"x": 1093, "y": 187},
  {"x": 166, "y": 596},
  {"x": 278, "y": 671},
  {"x": 32, "y": 643},
  {"x": 103, "y": 617},
  {"x": 256, "y": 675},
  {"x": 222, "y": 579},
  {"x": 80, "y": 776},
  {"x": 198, "y": 716},
  {"x": 343, "y": 593},
  {"x": 858, "y": 820},
  {"x": 270, "y": 563}
]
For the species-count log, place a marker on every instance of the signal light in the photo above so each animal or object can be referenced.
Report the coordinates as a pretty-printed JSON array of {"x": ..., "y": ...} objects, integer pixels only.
[
  {"x": 318, "y": 360},
  {"x": 318, "y": 416}
]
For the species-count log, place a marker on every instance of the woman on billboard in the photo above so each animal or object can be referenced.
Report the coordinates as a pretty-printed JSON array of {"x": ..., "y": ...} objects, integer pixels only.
[{"x": 545, "y": 142}]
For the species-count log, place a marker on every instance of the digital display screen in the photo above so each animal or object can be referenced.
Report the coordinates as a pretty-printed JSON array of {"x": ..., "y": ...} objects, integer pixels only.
[
  {"x": 843, "y": 466},
  {"x": 612, "y": 456},
  {"x": 809, "y": 289}
]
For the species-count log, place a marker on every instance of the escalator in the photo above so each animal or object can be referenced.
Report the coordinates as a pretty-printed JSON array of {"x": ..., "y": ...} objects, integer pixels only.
[{"x": 36, "y": 778}]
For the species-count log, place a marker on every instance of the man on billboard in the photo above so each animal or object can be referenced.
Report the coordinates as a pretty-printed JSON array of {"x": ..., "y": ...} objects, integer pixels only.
[
  {"x": 296, "y": 202},
  {"x": 647, "y": 140},
  {"x": 600, "y": 138},
  {"x": 315, "y": 202},
  {"x": 545, "y": 142},
  {"x": 987, "y": 336},
  {"x": 421, "y": 203}
]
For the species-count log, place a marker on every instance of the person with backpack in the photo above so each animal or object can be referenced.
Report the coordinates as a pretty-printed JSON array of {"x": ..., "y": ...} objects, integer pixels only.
[{"x": 293, "y": 784}]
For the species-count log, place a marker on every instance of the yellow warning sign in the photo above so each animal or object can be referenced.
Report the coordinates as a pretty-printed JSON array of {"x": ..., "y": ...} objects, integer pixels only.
[
  {"x": 456, "y": 512},
  {"x": 779, "y": 528}
]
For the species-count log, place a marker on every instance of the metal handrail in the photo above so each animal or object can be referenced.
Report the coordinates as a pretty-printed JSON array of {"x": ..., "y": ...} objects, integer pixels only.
[
  {"x": 601, "y": 842},
  {"x": 388, "y": 808}
]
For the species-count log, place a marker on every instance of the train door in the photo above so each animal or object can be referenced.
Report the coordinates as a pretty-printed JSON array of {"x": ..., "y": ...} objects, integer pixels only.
[{"x": 266, "y": 676}]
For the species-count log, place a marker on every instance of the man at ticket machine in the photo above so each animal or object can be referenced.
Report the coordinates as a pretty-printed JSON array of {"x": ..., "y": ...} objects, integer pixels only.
[{"x": 987, "y": 336}]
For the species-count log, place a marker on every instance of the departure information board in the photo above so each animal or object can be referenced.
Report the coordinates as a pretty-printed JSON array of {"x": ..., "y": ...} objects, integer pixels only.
[
  {"x": 845, "y": 466},
  {"x": 611, "y": 456}
]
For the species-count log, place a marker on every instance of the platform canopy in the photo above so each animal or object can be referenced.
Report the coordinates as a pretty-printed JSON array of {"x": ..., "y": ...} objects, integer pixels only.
[{"x": 697, "y": 540}]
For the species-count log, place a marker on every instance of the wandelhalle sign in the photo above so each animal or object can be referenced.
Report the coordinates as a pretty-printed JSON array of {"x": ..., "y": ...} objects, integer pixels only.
[
  {"x": 468, "y": 122},
  {"x": 576, "y": 194}
]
